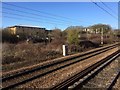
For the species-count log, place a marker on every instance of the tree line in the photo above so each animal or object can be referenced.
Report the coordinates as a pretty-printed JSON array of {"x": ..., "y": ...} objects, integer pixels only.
[{"x": 71, "y": 35}]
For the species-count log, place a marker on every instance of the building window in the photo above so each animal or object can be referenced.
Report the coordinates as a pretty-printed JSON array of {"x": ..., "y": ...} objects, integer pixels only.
[{"x": 37, "y": 33}]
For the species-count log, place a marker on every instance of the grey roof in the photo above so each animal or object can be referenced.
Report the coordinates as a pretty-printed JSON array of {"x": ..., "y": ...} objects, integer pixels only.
[{"x": 26, "y": 26}]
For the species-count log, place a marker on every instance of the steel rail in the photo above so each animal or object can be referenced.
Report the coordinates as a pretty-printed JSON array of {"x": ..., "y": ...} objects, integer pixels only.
[
  {"x": 94, "y": 73},
  {"x": 114, "y": 81},
  {"x": 34, "y": 77},
  {"x": 60, "y": 61},
  {"x": 65, "y": 84}
]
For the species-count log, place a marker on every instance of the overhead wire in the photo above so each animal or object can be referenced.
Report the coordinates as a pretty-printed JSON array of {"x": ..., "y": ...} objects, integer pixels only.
[
  {"x": 104, "y": 10},
  {"x": 29, "y": 13},
  {"x": 46, "y": 13},
  {"x": 50, "y": 15},
  {"x": 31, "y": 18},
  {"x": 108, "y": 7},
  {"x": 38, "y": 16}
]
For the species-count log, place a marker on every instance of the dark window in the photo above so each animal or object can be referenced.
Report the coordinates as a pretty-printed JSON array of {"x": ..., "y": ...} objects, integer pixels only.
[{"x": 36, "y": 32}]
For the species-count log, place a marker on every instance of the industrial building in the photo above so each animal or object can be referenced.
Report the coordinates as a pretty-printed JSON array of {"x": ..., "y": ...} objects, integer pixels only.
[{"x": 29, "y": 32}]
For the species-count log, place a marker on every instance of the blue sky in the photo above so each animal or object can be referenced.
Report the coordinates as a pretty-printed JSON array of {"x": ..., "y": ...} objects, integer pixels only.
[{"x": 58, "y": 14}]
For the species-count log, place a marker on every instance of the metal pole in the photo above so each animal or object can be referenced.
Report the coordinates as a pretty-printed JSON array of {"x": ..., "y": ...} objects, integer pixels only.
[
  {"x": 102, "y": 36},
  {"x": 49, "y": 37},
  {"x": 87, "y": 33}
]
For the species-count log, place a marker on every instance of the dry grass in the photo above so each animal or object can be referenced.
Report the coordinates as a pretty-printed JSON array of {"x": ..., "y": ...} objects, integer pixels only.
[{"x": 23, "y": 54}]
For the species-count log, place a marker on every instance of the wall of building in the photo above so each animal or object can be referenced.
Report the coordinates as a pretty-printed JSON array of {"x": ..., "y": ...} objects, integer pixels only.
[
  {"x": 12, "y": 30},
  {"x": 29, "y": 31}
]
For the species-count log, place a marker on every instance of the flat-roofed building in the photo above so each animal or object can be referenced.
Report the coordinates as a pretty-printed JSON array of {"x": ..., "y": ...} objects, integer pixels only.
[
  {"x": 26, "y": 29},
  {"x": 29, "y": 32}
]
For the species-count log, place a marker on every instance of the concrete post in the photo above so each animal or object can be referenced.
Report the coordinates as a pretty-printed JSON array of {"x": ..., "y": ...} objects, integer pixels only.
[{"x": 64, "y": 50}]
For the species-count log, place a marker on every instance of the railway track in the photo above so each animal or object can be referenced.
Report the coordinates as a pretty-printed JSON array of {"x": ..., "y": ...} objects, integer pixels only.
[
  {"x": 52, "y": 62},
  {"x": 117, "y": 83},
  {"x": 24, "y": 77},
  {"x": 78, "y": 81}
]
